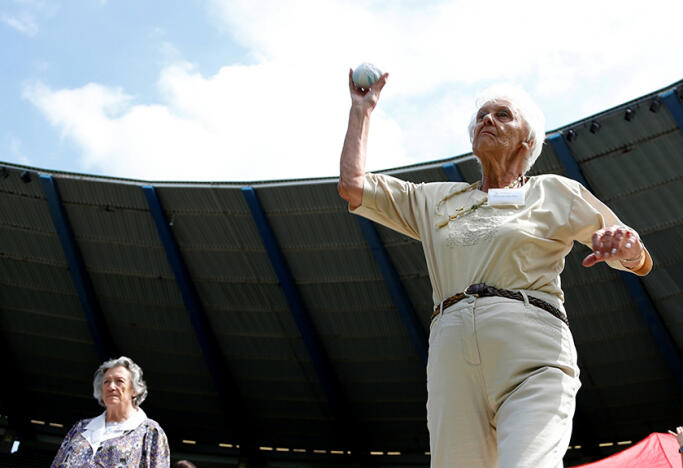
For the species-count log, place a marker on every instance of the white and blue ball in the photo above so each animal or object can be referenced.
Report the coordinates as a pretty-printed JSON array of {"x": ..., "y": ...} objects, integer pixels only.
[{"x": 365, "y": 75}]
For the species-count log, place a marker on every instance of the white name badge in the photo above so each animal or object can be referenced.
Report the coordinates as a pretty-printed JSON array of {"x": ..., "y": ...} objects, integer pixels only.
[{"x": 505, "y": 197}]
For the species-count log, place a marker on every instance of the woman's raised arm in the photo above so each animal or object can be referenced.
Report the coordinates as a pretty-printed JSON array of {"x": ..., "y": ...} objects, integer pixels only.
[{"x": 352, "y": 163}]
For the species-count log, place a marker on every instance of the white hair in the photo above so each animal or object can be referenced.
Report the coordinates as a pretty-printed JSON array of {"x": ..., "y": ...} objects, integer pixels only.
[
  {"x": 139, "y": 385},
  {"x": 525, "y": 108}
]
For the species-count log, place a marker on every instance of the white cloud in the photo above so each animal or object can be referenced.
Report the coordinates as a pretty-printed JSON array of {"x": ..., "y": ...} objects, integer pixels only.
[
  {"x": 283, "y": 114},
  {"x": 25, "y": 23},
  {"x": 23, "y": 15},
  {"x": 236, "y": 125}
]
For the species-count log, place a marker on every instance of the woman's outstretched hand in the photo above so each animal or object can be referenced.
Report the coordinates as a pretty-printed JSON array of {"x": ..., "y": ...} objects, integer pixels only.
[
  {"x": 366, "y": 98},
  {"x": 615, "y": 243}
]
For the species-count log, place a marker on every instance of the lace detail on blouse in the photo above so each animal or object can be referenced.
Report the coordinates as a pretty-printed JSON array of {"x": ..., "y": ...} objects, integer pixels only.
[{"x": 475, "y": 227}]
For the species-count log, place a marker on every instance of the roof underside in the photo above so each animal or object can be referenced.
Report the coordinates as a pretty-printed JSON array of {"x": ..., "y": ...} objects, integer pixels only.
[{"x": 629, "y": 388}]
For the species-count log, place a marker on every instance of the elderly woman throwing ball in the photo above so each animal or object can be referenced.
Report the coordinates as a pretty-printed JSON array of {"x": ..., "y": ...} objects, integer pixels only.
[
  {"x": 123, "y": 435},
  {"x": 502, "y": 375}
]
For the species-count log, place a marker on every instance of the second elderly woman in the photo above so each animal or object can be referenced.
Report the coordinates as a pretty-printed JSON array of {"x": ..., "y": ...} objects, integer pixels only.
[
  {"x": 122, "y": 435},
  {"x": 502, "y": 375}
]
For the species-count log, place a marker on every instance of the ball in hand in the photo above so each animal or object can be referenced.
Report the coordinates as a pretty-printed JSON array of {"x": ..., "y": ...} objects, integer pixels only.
[{"x": 365, "y": 75}]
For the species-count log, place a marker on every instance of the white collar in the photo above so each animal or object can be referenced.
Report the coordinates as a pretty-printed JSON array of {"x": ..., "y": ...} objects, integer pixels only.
[{"x": 96, "y": 431}]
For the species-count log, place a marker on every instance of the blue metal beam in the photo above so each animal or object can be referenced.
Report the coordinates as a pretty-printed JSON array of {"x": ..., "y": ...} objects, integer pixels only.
[
  {"x": 321, "y": 363},
  {"x": 633, "y": 283},
  {"x": 656, "y": 325},
  {"x": 86, "y": 293},
  {"x": 392, "y": 280},
  {"x": 228, "y": 394},
  {"x": 396, "y": 289},
  {"x": 674, "y": 104},
  {"x": 567, "y": 159},
  {"x": 452, "y": 172}
]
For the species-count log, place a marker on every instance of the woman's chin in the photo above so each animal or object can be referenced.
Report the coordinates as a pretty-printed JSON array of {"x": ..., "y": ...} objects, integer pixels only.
[{"x": 112, "y": 402}]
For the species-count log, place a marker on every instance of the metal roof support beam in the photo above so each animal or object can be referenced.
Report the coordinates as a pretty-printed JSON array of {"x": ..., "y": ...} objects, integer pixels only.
[
  {"x": 392, "y": 280},
  {"x": 228, "y": 393},
  {"x": 452, "y": 172},
  {"x": 321, "y": 363},
  {"x": 656, "y": 325},
  {"x": 396, "y": 289},
  {"x": 97, "y": 324},
  {"x": 674, "y": 104},
  {"x": 633, "y": 283},
  {"x": 566, "y": 158}
]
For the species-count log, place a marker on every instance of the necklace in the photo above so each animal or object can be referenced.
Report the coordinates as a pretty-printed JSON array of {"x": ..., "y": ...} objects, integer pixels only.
[{"x": 463, "y": 211}]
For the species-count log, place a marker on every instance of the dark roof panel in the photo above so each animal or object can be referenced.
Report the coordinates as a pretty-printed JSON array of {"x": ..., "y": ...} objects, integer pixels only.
[{"x": 629, "y": 389}]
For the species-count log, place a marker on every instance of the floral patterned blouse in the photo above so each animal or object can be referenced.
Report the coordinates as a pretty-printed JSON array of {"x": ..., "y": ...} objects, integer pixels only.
[{"x": 145, "y": 446}]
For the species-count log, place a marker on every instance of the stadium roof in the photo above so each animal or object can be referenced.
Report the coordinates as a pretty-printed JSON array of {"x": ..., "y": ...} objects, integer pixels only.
[{"x": 265, "y": 315}]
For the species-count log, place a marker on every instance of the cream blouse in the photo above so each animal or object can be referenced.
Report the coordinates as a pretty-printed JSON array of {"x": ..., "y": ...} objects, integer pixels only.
[{"x": 511, "y": 247}]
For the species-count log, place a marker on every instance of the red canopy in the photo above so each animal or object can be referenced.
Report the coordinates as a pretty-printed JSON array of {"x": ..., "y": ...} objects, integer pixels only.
[{"x": 655, "y": 451}]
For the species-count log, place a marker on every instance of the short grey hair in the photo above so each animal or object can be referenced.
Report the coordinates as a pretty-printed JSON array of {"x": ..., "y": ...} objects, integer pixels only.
[
  {"x": 527, "y": 110},
  {"x": 139, "y": 385}
]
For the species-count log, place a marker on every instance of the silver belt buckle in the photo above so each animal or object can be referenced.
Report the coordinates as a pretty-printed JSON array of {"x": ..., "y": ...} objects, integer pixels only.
[{"x": 469, "y": 298}]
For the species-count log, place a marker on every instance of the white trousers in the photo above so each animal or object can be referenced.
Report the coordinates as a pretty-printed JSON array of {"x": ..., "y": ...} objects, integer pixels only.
[{"x": 502, "y": 380}]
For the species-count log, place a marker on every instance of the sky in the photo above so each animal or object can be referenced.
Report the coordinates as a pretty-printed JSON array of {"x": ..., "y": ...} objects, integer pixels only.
[{"x": 252, "y": 90}]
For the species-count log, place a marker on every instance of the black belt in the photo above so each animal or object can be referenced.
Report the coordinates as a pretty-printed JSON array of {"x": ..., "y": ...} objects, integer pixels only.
[{"x": 484, "y": 290}]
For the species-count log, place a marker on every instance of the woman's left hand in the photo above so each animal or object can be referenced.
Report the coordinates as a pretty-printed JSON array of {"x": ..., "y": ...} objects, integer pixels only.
[{"x": 615, "y": 243}]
